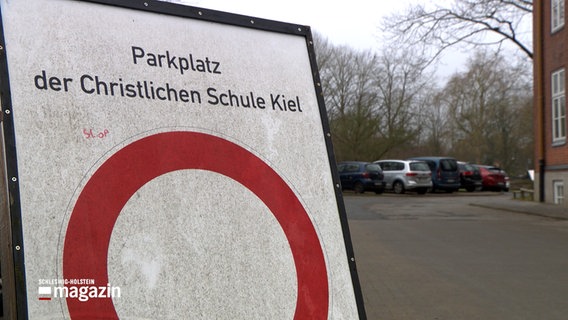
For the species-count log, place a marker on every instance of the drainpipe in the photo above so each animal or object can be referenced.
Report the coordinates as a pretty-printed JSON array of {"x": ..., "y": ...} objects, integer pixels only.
[{"x": 539, "y": 97}]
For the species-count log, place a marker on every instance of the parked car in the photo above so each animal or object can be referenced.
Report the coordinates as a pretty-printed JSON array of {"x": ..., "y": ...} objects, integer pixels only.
[
  {"x": 494, "y": 178},
  {"x": 406, "y": 175},
  {"x": 445, "y": 173},
  {"x": 470, "y": 177},
  {"x": 361, "y": 176}
]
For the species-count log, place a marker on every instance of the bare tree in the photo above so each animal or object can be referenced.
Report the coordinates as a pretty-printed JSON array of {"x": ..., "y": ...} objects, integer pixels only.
[
  {"x": 347, "y": 76},
  {"x": 486, "y": 105},
  {"x": 401, "y": 83},
  {"x": 473, "y": 22},
  {"x": 373, "y": 100},
  {"x": 436, "y": 133},
  {"x": 356, "y": 123}
]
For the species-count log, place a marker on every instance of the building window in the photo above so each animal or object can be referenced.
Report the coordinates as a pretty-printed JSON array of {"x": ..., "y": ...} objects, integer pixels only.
[
  {"x": 557, "y": 14},
  {"x": 558, "y": 192},
  {"x": 558, "y": 107}
]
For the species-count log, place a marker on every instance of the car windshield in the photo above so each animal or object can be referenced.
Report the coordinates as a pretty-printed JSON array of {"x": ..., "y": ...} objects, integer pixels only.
[
  {"x": 419, "y": 166},
  {"x": 448, "y": 165},
  {"x": 468, "y": 167}
]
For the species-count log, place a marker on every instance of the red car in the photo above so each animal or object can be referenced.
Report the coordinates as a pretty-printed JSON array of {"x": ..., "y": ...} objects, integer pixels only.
[{"x": 493, "y": 178}]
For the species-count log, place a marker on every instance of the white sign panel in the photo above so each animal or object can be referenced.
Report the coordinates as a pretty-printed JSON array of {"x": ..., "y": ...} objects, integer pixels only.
[{"x": 169, "y": 162}]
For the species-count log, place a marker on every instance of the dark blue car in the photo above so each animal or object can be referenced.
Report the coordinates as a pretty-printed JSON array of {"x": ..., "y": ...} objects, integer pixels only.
[
  {"x": 361, "y": 176},
  {"x": 445, "y": 173}
]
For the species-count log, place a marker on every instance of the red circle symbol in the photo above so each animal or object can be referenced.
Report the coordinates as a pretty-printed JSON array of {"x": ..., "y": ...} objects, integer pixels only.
[{"x": 111, "y": 186}]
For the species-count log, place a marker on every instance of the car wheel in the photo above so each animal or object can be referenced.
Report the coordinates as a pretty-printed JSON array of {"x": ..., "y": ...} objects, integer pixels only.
[
  {"x": 398, "y": 187},
  {"x": 358, "y": 187}
]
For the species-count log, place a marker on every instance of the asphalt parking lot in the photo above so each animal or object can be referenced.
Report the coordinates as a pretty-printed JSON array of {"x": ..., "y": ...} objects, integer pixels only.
[{"x": 459, "y": 256}]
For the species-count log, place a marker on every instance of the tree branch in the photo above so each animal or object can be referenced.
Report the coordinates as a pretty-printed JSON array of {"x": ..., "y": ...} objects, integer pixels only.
[{"x": 467, "y": 21}]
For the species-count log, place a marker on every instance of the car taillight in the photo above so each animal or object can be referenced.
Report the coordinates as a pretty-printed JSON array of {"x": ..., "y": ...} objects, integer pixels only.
[
  {"x": 439, "y": 174},
  {"x": 411, "y": 174},
  {"x": 467, "y": 173},
  {"x": 366, "y": 175}
]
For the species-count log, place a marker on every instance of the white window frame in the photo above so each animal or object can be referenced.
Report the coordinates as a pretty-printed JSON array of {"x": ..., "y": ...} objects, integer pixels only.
[
  {"x": 558, "y": 191},
  {"x": 556, "y": 14},
  {"x": 558, "y": 107}
]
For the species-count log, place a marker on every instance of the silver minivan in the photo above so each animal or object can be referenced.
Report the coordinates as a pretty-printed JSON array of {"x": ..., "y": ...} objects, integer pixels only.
[{"x": 406, "y": 175}]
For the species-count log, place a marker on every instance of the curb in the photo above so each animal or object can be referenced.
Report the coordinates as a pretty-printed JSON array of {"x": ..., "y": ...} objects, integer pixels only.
[{"x": 516, "y": 209}]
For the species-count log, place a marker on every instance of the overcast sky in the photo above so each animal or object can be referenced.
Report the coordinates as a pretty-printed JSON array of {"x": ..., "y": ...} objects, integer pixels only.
[{"x": 354, "y": 23}]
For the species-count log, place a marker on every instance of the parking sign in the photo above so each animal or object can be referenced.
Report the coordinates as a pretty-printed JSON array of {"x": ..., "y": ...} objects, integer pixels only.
[{"x": 166, "y": 161}]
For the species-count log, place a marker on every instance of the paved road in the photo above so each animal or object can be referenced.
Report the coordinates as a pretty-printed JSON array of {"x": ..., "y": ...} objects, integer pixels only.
[{"x": 439, "y": 257}]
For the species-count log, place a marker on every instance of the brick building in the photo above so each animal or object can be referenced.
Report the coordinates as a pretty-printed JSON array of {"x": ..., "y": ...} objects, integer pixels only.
[{"x": 550, "y": 63}]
